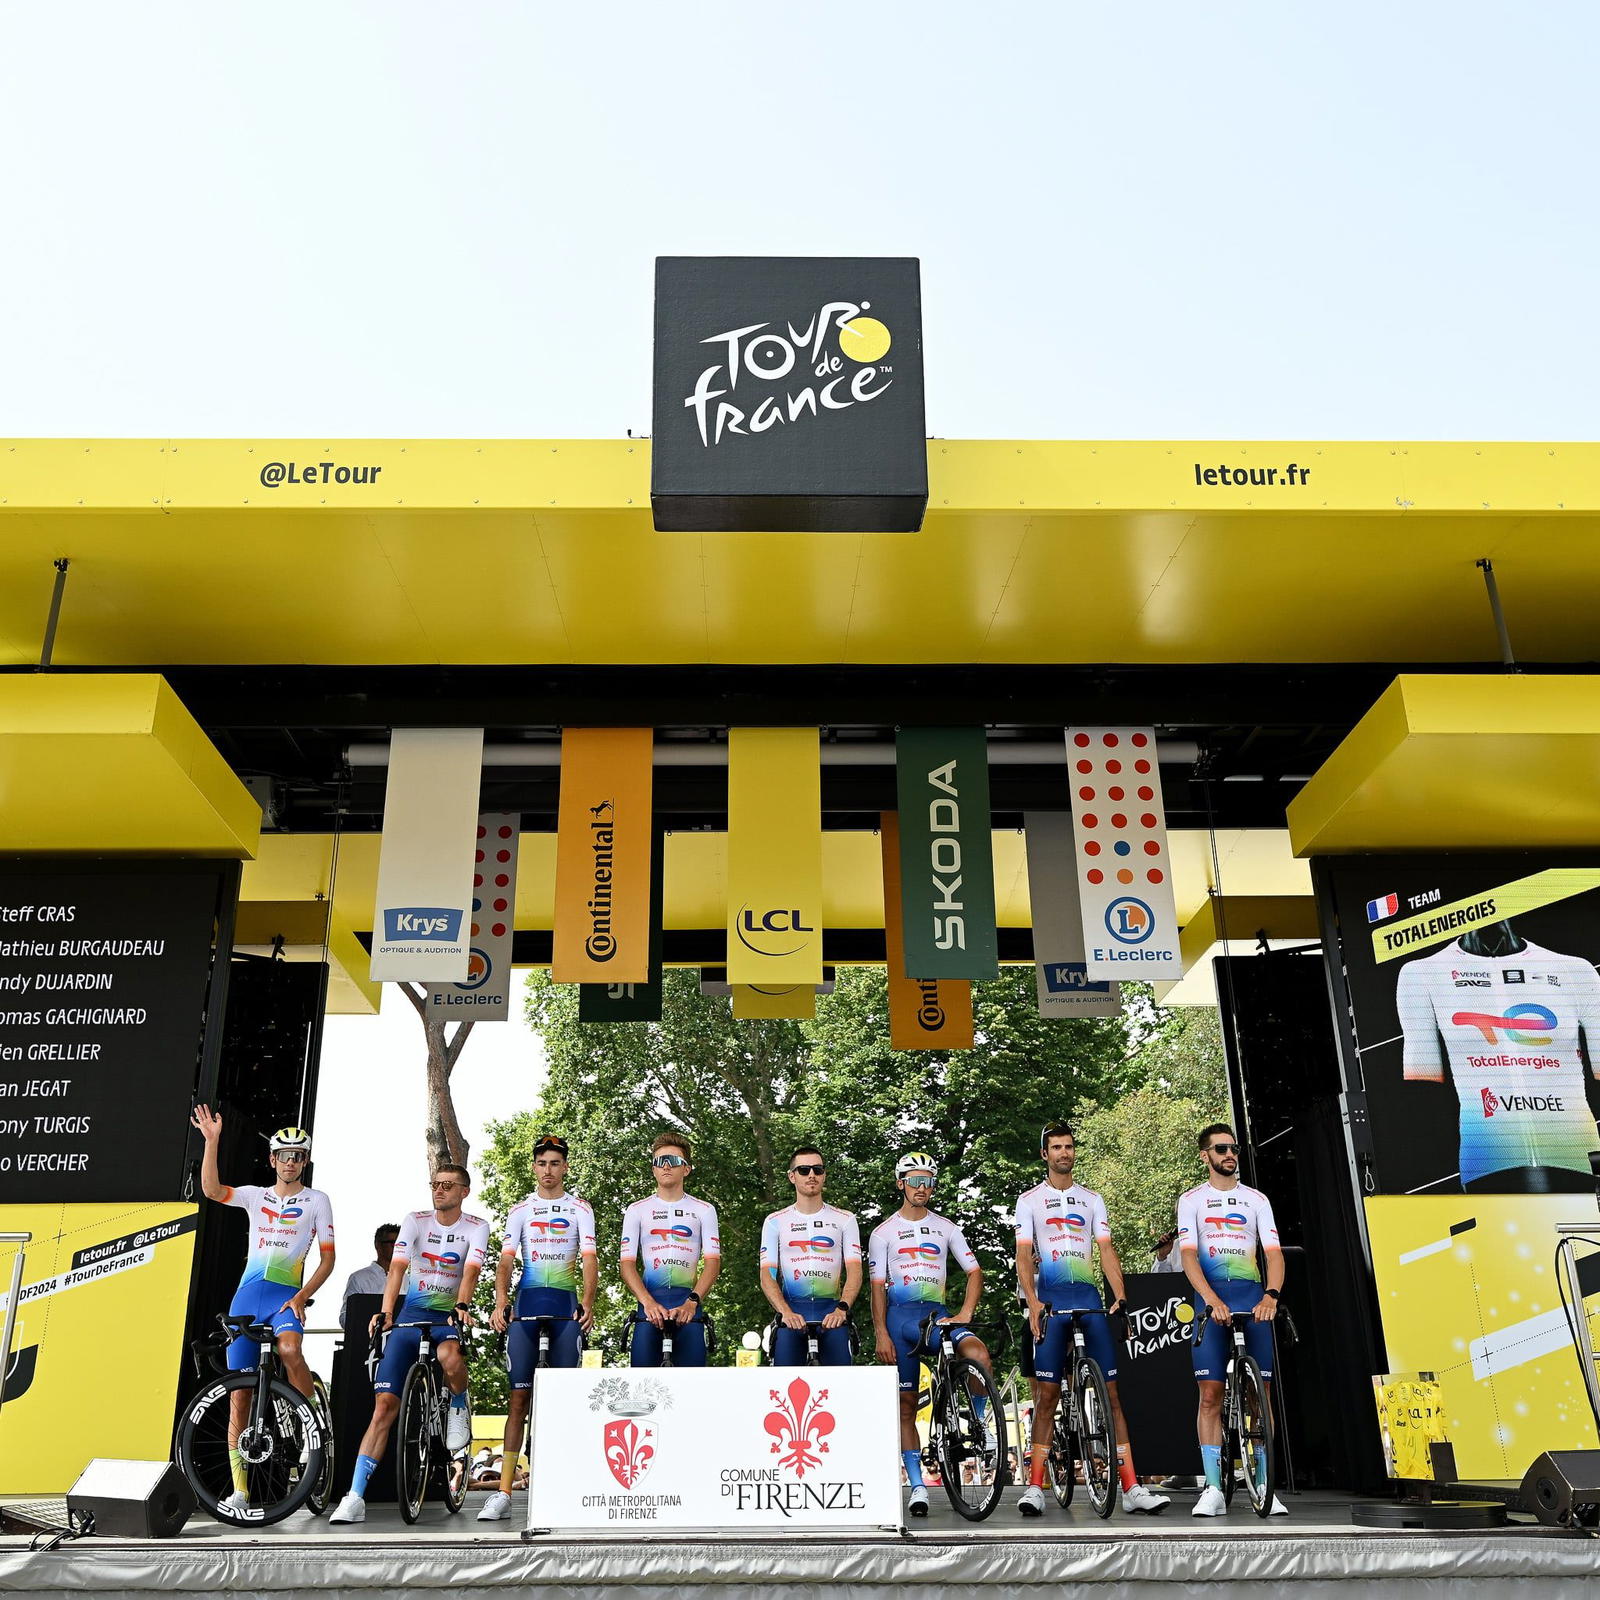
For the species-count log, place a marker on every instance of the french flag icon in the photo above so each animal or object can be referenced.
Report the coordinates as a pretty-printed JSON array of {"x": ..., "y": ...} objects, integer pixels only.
[{"x": 1383, "y": 906}]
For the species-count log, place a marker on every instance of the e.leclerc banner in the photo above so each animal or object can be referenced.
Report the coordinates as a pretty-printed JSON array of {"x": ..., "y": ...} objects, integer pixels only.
[
  {"x": 422, "y": 917},
  {"x": 633, "y": 1002},
  {"x": 604, "y": 839},
  {"x": 1065, "y": 988},
  {"x": 774, "y": 856},
  {"x": 485, "y": 996},
  {"x": 1130, "y": 925},
  {"x": 924, "y": 1013},
  {"x": 946, "y": 853}
]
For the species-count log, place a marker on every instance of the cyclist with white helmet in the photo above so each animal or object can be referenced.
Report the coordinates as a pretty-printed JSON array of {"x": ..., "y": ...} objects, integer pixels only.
[
  {"x": 907, "y": 1256},
  {"x": 284, "y": 1218}
]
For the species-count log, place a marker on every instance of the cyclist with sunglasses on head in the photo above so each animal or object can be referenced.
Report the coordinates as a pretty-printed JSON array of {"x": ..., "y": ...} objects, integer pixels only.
[
  {"x": 553, "y": 1233},
  {"x": 810, "y": 1268},
  {"x": 1220, "y": 1224},
  {"x": 671, "y": 1255}
]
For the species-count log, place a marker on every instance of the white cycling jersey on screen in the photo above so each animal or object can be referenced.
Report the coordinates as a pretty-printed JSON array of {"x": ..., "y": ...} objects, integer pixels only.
[
  {"x": 1509, "y": 1028},
  {"x": 1223, "y": 1228},
  {"x": 909, "y": 1258},
  {"x": 281, "y": 1230},
  {"x": 668, "y": 1238},
  {"x": 807, "y": 1252}
]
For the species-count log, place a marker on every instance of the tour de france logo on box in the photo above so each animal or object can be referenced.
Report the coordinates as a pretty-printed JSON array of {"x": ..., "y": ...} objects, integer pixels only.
[{"x": 788, "y": 395}]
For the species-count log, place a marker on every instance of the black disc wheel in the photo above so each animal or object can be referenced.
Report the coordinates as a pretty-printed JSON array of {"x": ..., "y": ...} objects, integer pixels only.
[
  {"x": 1255, "y": 1437},
  {"x": 972, "y": 1442},
  {"x": 1098, "y": 1438},
  {"x": 413, "y": 1443},
  {"x": 282, "y": 1457}
]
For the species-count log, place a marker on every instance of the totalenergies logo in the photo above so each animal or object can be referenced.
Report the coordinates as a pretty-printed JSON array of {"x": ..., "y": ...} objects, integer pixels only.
[
  {"x": 545, "y": 1226},
  {"x": 1232, "y": 1223},
  {"x": 677, "y": 1232},
  {"x": 1075, "y": 1223},
  {"x": 818, "y": 1244},
  {"x": 920, "y": 1252},
  {"x": 288, "y": 1214},
  {"x": 445, "y": 1261},
  {"x": 1524, "y": 1024}
]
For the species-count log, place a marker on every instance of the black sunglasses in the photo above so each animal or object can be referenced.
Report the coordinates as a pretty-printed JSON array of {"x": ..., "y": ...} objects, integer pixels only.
[
  {"x": 1225, "y": 1149},
  {"x": 808, "y": 1172}
]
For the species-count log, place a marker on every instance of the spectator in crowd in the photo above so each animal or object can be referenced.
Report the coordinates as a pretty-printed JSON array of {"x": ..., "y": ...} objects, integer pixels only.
[{"x": 371, "y": 1278}]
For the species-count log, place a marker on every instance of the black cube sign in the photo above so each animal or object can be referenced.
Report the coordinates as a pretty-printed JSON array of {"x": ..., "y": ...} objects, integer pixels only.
[{"x": 788, "y": 395}]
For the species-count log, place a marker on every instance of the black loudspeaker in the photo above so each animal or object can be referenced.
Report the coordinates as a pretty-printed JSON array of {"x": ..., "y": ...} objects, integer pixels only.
[
  {"x": 131, "y": 1499},
  {"x": 1562, "y": 1488}
]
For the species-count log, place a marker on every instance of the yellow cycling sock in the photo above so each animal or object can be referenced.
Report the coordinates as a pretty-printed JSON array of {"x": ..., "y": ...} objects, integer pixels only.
[
  {"x": 508, "y": 1471},
  {"x": 241, "y": 1481}
]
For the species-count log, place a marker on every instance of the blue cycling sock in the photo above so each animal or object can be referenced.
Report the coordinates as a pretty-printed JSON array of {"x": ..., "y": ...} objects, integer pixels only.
[
  {"x": 913, "y": 1461},
  {"x": 980, "y": 1404},
  {"x": 365, "y": 1467},
  {"x": 458, "y": 1402},
  {"x": 1211, "y": 1460}
]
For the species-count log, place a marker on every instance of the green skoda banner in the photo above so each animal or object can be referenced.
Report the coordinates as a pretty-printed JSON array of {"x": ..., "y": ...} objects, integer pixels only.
[
  {"x": 633, "y": 1002},
  {"x": 946, "y": 854}
]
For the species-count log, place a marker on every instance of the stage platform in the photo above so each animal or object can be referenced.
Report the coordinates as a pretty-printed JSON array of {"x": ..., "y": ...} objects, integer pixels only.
[{"x": 1315, "y": 1548}]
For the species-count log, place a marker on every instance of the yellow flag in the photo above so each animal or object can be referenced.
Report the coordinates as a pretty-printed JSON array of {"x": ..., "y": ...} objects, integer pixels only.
[
  {"x": 752, "y": 1001},
  {"x": 924, "y": 1013}
]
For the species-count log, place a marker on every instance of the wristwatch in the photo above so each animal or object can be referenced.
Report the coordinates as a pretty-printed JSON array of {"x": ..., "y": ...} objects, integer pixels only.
[
  {"x": 461, "y": 1305},
  {"x": 1272, "y": 1292},
  {"x": 693, "y": 1296}
]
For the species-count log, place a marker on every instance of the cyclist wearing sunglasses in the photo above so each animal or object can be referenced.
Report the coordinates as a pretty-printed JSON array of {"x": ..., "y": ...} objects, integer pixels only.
[
  {"x": 810, "y": 1267},
  {"x": 283, "y": 1221},
  {"x": 671, "y": 1255},
  {"x": 1220, "y": 1225}
]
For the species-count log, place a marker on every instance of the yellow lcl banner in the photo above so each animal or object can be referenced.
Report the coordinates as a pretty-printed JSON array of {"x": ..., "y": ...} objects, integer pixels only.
[
  {"x": 924, "y": 1013},
  {"x": 603, "y": 844},
  {"x": 752, "y": 1002},
  {"x": 774, "y": 856}
]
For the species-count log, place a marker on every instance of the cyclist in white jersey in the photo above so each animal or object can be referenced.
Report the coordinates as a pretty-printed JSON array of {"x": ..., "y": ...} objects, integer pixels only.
[
  {"x": 906, "y": 1257},
  {"x": 1220, "y": 1225},
  {"x": 552, "y": 1233},
  {"x": 437, "y": 1259},
  {"x": 671, "y": 1255},
  {"x": 283, "y": 1221},
  {"x": 810, "y": 1267},
  {"x": 1060, "y": 1223},
  {"x": 1508, "y": 1018}
]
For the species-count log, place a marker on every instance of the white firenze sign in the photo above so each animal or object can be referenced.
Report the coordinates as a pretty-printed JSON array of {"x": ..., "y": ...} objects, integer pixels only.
[
  {"x": 1064, "y": 986},
  {"x": 725, "y": 1448}
]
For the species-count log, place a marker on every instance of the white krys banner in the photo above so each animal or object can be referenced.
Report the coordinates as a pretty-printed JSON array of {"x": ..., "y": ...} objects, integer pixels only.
[
  {"x": 1124, "y": 867},
  {"x": 422, "y": 918},
  {"x": 485, "y": 994},
  {"x": 1064, "y": 985},
  {"x": 724, "y": 1448}
]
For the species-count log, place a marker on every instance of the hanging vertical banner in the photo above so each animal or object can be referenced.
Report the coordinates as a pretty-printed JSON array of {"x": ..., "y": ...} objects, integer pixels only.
[
  {"x": 946, "y": 853},
  {"x": 1130, "y": 925},
  {"x": 1064, "y": 986},
  {"x": 924, "y": 1013},
  {"x": 753, "y": 1002},
  {"x": 485, "y": 996},
  {"x": 633, "y": 1002},
  {"x": 774, "y": 856},
  {"x": 421, "y": 916},
  {"x": 714, "y": 982},
  {"x": 604, "y": 834}
]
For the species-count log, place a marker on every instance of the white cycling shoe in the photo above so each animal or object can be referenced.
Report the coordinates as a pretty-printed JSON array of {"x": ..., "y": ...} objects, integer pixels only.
[
  {"x": 1031, "y": 1501},
  {"x": 918, "y": 1504},
  {"x": 496, "y": 1508},
  {"x": 237, "y": 1501},
  {"x": 1210, "y": 1503},
  {"x": 457, "y": 1428},
  {"x": 351, "y": 1509},
  {"x": 1139, "y": 1498},
  {"x": 1279, "y": 1509}
]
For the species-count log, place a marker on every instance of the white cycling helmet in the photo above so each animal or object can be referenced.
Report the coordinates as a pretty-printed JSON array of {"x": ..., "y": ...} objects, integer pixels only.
[
  {"x": 291, "y": 1139},
  {"x": 915, "y": 1161}
]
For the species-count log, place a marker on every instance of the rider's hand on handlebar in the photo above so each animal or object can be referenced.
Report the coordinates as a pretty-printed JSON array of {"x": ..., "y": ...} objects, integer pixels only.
[
  {"x": 1266, "y": 1309},
  {"x": 1220, "y": 1313},
  {"x": 792, "y": 1320},
  {"x": 654, "y": 1312},
  {"x": 499, "y": 1317},
  {"x": 834, "y": 1319},
  {"x": 585, "y": 1318}
]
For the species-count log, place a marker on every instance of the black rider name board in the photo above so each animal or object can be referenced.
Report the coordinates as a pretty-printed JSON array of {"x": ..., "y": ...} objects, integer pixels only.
[
  {"x": 788, "y": 395},
  {"x": 104, "y": 974}
]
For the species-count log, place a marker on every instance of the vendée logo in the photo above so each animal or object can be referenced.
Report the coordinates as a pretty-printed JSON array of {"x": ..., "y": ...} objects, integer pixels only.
[{"x": 407, "y": 923}]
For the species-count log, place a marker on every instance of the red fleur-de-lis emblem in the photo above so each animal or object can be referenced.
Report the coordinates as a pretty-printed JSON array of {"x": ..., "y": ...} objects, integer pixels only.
[
  {"x": 630, "y": 1450},
  {"x": 799, "y": 1426}
]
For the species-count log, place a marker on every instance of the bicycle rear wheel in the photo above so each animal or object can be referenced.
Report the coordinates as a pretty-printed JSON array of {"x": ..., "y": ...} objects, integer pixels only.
[
  {"x": 413, "y": 1443},
  {"x": 1063, "y": 1452},
  {"x": 1098, "y": 1440},
  {"x": 972, "y": 1442},
  {"x": 322, "y": 1490},
  {"x": 1255, "y": 1437},
  {"x": 450, "y": 1469},
  {"x": 283, "y": 1460}
]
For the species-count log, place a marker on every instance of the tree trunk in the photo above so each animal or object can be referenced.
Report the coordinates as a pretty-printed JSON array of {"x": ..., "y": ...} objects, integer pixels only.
[{"x": 445, "y": 1140}]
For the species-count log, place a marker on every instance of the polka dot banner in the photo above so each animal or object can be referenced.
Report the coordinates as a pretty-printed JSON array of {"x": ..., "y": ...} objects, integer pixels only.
[
  {"x": 1122, "y": 859},
  {"x": 1064, "y": 986},
  {"x": 491, "y": 927}
]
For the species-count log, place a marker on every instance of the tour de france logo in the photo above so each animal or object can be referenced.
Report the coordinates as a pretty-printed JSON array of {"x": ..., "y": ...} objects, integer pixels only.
[{"x": 780, "y": 374}]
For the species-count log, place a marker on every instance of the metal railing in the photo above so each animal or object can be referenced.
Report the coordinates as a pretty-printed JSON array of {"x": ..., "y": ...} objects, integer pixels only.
[
  {"x": 1568, "y": 1281},
  {"x": 21, "y": 1241}
]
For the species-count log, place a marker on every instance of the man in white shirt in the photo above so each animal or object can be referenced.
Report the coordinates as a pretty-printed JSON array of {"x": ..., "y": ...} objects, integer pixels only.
[{"x": 371, "y": 1278}]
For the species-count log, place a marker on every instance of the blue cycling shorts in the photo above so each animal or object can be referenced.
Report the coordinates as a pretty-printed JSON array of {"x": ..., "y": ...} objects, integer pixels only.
[
  {"x": 904, "y": 1323},
  {"x": 522, "y": 1338},
  {"x": 688, "y": 1343},
  {"x": 401, "y": 1346},
  {"x": 1050, "y": 1360},
  {"x": 264, "y": 1302},
  {"x": 833, "y": 1344},
  {"x": 1215, "y": 1345}
]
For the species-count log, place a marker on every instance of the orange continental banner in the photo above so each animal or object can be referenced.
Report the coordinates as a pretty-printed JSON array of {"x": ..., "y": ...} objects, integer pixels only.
[
  {"x": 774, "y": 856},
  {"x": 924, "y": 1013},
  {"x": 603, "y": 844}
]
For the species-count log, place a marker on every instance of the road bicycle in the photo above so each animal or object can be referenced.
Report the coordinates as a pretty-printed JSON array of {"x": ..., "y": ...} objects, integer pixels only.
[
  {"x": 1085, "y": 1430},
  {"x": 546, "y": 1337},
  {"x": 966, "y": 1424},
  {"x": 422, "y": 1458},
  {"x": 285, "y": 1442},
  {"x": 813, "y": 1333},
  {"x": 668, "y": 1330},
  {"x": 1246, "y": 1424}
]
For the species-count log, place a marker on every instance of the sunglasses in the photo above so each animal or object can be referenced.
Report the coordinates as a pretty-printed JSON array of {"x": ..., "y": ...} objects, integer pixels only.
[
  {"x": 807, "y": 1172},
  {"x": 1225, "y": 1149},
  {"x": 918, "y": 1183},
  {"x": 668, "y": 1161},
  {"x": 290, "y": 1155}
]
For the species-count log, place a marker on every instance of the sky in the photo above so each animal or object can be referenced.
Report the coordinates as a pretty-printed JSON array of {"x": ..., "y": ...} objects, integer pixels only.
[{"x": 394, "y": 219}]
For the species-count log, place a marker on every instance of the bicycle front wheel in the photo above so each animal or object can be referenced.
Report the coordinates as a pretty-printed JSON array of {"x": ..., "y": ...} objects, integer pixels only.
[
  {"x": 322, "y": 1490},
  {"x": 972, "y": 1442},
  {"x": 1098, "y": 1439},
  {"x": 413, "y": 1443},
  {"x": 1255, "y": 1437},
  {"x": 1063, "y": 1452},
  {"x": 450, "y": 1470},
  {"x": 282, "y": 1458}
]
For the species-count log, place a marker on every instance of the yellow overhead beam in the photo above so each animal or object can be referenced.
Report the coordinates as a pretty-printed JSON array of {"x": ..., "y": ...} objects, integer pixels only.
[
  {"x": 1455, "y": 763},
  {"x": 113, "y": 763}
]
